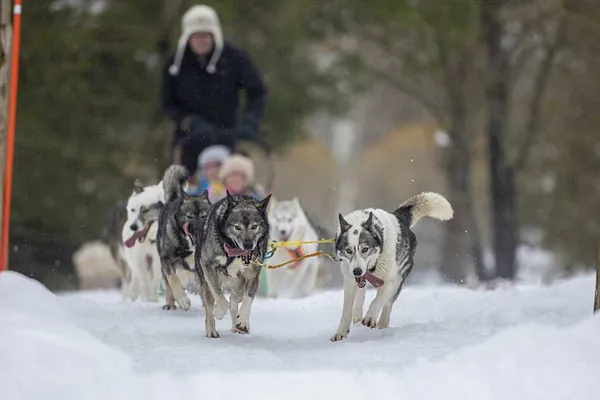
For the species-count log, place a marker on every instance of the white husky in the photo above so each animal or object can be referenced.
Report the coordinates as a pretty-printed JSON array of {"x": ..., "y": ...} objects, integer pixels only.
[
  {"x": 288, "y": 222},
  {"x": 139, "y": 239}
]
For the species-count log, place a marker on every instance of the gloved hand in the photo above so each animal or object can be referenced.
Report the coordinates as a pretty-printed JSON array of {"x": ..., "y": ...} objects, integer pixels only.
[
  {"x": 244, "y": 132},
  {"x": 191, "y": 124}
]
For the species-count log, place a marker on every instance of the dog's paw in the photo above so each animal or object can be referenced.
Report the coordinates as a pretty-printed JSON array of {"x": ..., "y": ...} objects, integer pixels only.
[
  {"x": 169, "y": 307},
  {"x": 338, "y": 336},
  {"x": 212, "y": 334},
  {"x": 221, "y": 309},
  {"x": 383, "y": 323},
  {"x": 369, "y": 322},
  {"x": 241, "y": 328},
  {"x": 184, "y": 302}
]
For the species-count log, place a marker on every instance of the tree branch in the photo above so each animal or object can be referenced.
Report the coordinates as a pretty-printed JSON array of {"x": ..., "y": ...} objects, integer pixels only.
[
  {"x": 415, "y": 93},
  {"x": 392, "y": 77},
  {"x": 533, "y": 123}
]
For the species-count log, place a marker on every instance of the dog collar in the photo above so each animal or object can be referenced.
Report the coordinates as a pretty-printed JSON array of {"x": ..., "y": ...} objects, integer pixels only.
[
  {"x": 235, "y": 251},
  {"x": 376, "y": 282}
]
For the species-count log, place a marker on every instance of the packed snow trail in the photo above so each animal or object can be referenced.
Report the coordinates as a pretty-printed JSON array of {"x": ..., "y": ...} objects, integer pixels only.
[
  {"x": 524, "y": 342},
  {"x": 294, "y": 334}
]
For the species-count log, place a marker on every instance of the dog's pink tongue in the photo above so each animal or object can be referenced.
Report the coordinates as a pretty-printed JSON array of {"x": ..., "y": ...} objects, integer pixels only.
[
  {"x": 369, "y": 277},
  {"x": 131, "y": 241},
  {"x": 235, "y": 251}
]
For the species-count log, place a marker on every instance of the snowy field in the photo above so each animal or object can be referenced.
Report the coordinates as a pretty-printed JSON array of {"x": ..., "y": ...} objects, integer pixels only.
[{"x": 528, "y": 342}]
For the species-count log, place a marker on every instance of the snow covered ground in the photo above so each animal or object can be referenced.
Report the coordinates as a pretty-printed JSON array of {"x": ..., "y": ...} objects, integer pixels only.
[{"x": 527, "y": 342}]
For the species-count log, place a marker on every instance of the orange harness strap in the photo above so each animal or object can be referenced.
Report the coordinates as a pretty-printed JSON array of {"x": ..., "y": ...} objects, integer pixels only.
[{"x": 297, "y": 254}]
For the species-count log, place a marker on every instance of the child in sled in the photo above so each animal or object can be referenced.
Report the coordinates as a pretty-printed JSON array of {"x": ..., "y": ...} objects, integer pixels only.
[
  {"x": 210, "y": 162},
  {"x": 236, "y": 176}
]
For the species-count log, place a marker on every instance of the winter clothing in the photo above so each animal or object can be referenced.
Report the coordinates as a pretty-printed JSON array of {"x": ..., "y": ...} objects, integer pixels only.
[
  {"x": 201, "y": 94},
  {"x": 199, "y": 18},
  {"x": 216, "y": 153},
  {"x": 237, "y": 163}
]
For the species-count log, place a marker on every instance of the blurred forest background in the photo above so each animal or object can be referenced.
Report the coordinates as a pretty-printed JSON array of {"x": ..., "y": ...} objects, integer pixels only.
[{"x": 492, "y": 103}]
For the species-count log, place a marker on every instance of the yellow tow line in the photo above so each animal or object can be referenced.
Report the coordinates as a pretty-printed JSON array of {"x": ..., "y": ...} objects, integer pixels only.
[{"x": 273, "y": 246}]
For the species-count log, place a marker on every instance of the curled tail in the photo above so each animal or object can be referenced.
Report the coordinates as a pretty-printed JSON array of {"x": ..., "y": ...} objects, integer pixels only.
[
  {"x": 174, "y": 182},
  {"x": 427, "y": 204}
]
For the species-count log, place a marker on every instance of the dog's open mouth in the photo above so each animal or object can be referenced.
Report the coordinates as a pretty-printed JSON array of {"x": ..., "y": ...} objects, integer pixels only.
[
  {"x": 244, "y": 255},
  {"x": 138, "y": 236},
  {"x": 246, "y": 258},
  {"x": 361, "y": 281}
]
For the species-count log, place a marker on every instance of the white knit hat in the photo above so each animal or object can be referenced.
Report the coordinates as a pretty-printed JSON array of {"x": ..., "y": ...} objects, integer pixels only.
[
  {"x": 199, "y": 18},
  {"x": 237, "y": 163},
  {"x": 218, "y": 153}
]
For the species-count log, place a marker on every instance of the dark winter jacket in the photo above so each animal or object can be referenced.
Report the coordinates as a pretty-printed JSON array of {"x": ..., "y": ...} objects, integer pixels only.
[{"x": 214, "y": 99}]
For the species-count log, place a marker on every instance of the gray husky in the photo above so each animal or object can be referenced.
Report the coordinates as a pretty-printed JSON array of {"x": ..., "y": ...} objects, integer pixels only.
[
  {"x": 377, "y": 246},
  {"x": 234, "y": 237},
  {"x": 178, "y": 226}
]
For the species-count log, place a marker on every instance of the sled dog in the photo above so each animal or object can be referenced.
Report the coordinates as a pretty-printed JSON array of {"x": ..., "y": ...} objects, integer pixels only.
[
  {"x": 234, "y": 236},
  {"x": 138, "y": 235},
  {"x": 178, "y": 225},
  {"x": 377, "y": 246},
  {"x": 290, "y": 223}
]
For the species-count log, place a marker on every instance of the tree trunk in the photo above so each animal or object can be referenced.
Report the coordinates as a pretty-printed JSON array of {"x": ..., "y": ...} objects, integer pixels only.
[
  {"x": 502, "y": 176},
  {"x": 462, "y": 246},
  {"x": 457, "y": 244},
  {"x": 463, "y": 243}
]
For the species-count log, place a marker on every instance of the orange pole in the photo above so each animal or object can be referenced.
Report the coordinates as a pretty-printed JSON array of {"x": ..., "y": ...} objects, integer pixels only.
[{"x": 10, "y": 134}]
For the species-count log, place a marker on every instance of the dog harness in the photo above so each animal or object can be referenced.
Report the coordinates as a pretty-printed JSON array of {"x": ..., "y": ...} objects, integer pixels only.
[{"x": 296, "y": 254}]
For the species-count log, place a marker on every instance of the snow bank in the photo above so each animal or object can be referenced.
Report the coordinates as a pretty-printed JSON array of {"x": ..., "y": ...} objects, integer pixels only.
[{"x": 45, "y": 355}]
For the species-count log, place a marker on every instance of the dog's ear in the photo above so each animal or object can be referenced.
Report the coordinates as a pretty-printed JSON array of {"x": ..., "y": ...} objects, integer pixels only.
[
  {"x": 296, "y": 202},
  {"x": 344, "y": 225},
  {"x": 204, "y": 196},
  {"x": 229, "y": 200},
  {"x": 138, "y": 186},
  {"x": 263, "y": 205},
  {"x": 368, "y": 224},
  {"x": 272, "y": 204}
]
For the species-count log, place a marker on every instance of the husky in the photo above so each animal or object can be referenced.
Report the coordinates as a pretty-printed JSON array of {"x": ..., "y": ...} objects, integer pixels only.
[
  {"x": 289, "y": 222},
  {"x": 179, "y": 223},
  {"x": 232, "y": 244},
  {"x": 377, "y": 246},
  {"x": 139, "y": 239},
  {"x": 140, "y": 253}
]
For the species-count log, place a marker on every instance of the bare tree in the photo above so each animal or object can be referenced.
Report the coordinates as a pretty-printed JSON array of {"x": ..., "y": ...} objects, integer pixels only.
[{"x": 504, "y": 66}]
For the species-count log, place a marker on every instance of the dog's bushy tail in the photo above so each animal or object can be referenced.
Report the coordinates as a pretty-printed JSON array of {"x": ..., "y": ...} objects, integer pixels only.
[
  {"x": 175, "y": 182},
  {"x": 427, "y": 204}
]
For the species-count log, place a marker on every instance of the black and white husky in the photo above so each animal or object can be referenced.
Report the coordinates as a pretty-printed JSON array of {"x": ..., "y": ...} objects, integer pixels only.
[{"x": 377, "y": 246}]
